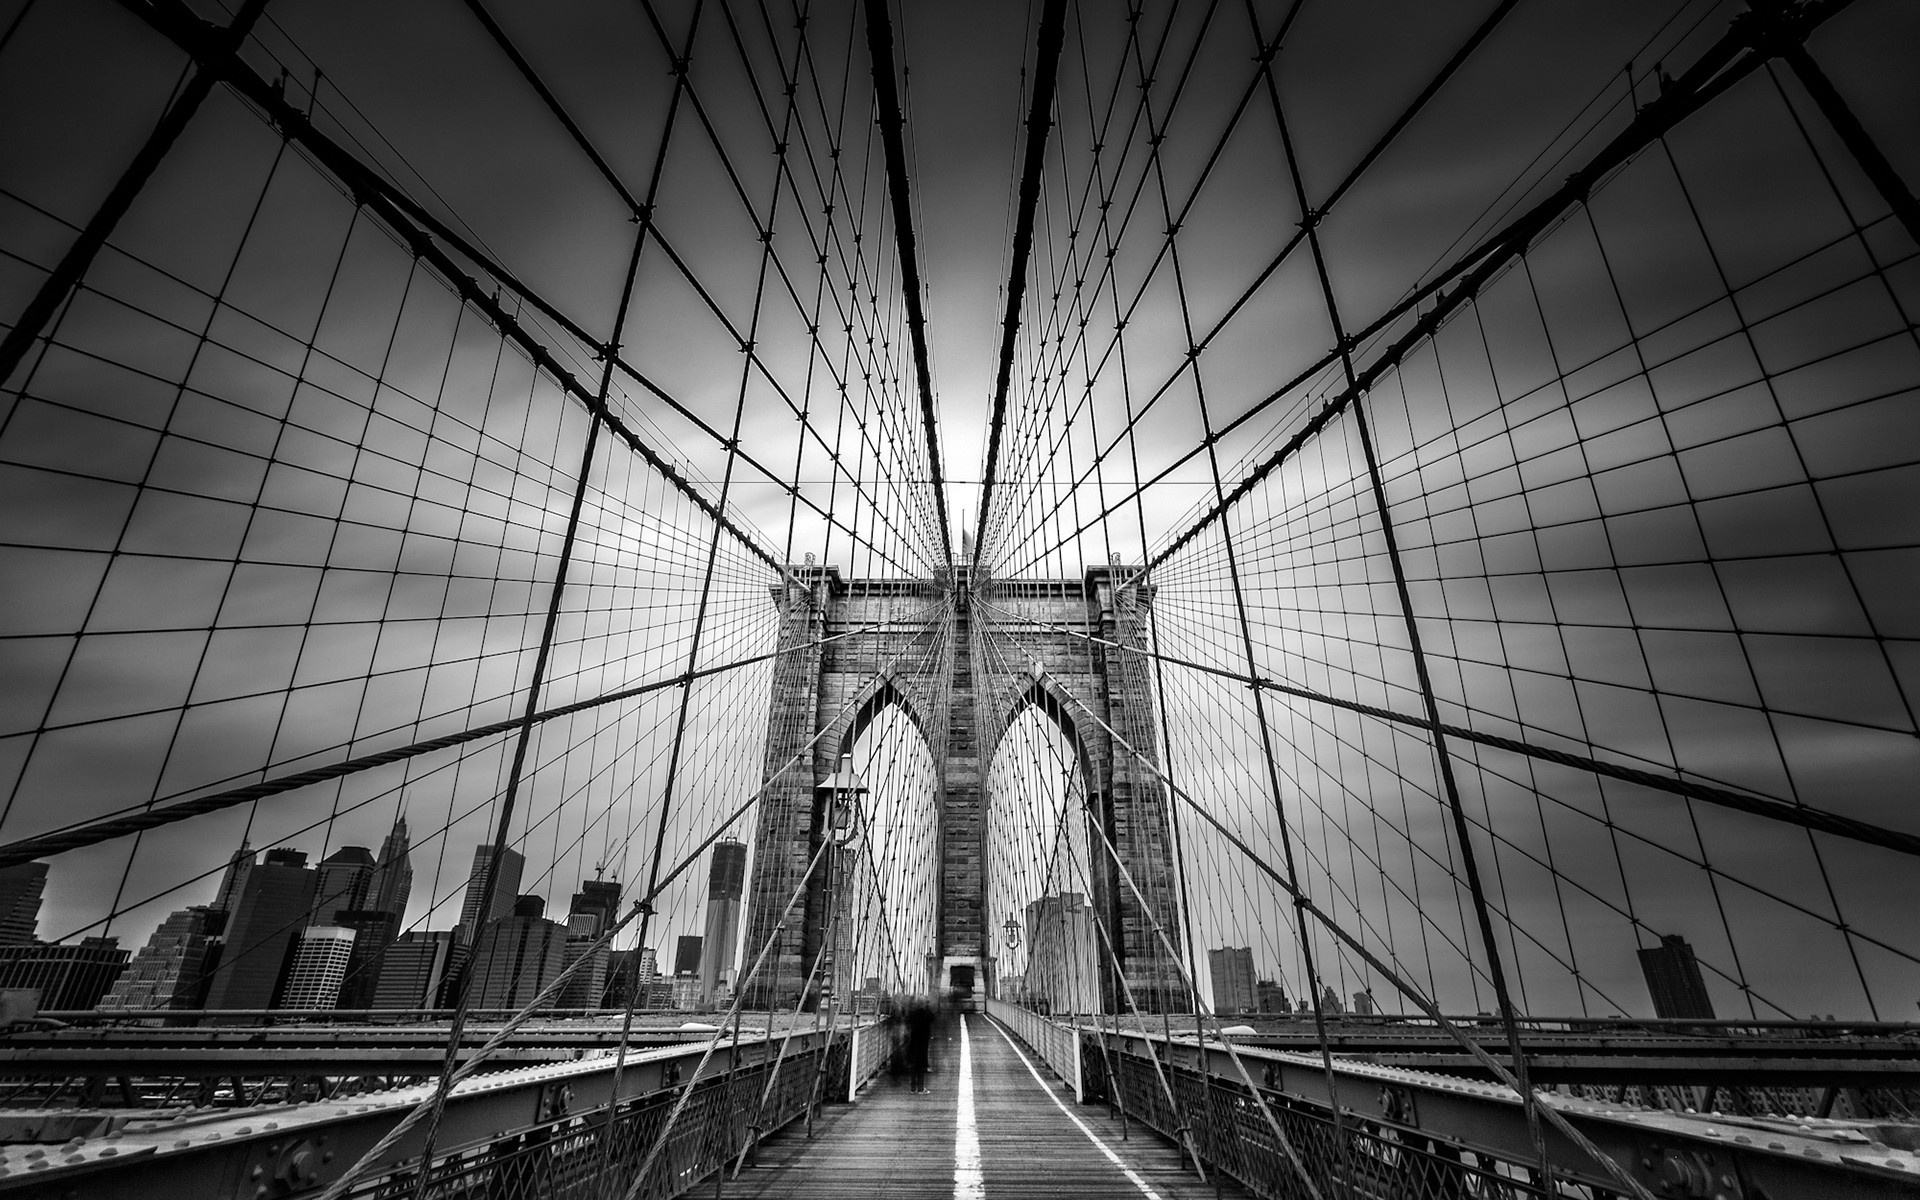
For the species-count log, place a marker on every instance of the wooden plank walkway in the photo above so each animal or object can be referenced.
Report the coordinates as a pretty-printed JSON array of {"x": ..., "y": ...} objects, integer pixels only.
[{"x": 991, "y": 1131}]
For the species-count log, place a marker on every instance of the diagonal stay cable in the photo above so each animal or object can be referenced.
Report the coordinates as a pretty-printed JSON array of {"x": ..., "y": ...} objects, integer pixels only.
[
  {"x": 1039, "y": 121},
  {"x": 1738, "y": 52},
  {"x": 1301, "y": 901},
  {"x": 94, "y": 832},
  {"x": 469, "y": 1065},
  {"x": 429, "y": 238},
  {"x": 1760, "y": 806},
  {"x": 893, "y": 143}
]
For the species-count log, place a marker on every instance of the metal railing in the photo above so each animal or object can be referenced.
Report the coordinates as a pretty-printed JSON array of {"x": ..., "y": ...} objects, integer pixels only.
[
  {"x": 569, "y": 1131},
  {"x": 1059, "y": 1045},
  {"x": 1416, "y": 1134}
]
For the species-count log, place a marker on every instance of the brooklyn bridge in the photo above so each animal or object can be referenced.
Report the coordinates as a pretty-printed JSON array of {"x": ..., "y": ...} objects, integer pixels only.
[{"x": 884, "y": 598}]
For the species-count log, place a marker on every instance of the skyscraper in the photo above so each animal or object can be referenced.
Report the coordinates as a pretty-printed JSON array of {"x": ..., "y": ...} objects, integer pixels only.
[
  {"x": 517, "y": 957},
  {"x": 392, "y": 884},
  {"x": 318, "y": 968},
  {"x": 726, "y": 880},
  {"x": 345, "y": 876},
  {"x": 170, "y": 971},
  {"x": 599, "y": 899},
  {"x": 1271, "y": 995},
  {"x": 686, "y": 955},
  {"x": 1234, "y": 987},
  {"x": 234, "y": 879},
  {"x": 20, "y": 890},
  {"x": 1063, "y": 969},
  {"x": 1673, "y": 979},
  {"x": 472, "y": 918},
  {"x": 595, "y": 909},
  {"x": 373, "y": 932},
  {"x": 273, "y": 906},
  {"x": 416, "y": 968}
]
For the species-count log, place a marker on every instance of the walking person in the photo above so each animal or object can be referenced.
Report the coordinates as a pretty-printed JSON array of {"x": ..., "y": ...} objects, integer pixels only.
[{"x": 919, "y": 1043}]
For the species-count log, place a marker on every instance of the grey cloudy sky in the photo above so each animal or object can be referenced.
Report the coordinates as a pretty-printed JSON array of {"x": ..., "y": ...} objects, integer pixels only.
[{"x": 1717, "y": 563}]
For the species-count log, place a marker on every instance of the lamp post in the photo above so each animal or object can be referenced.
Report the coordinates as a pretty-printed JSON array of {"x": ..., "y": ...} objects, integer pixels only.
[
  {"x": 843, "y": 791},
  {"x": 1012, "y": 930}
]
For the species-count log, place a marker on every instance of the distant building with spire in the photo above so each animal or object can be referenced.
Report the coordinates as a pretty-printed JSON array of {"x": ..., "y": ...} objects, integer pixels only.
[
  {"x": 234, "y": 880},
  {"x": 392, "y": 884}
]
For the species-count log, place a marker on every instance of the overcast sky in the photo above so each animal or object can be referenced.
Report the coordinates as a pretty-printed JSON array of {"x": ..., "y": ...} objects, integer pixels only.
[{"x": 1716, "y": 570}]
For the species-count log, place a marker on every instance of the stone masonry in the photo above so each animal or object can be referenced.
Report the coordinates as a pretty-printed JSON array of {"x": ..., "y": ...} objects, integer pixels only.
[{"x": 895, "y": 643}]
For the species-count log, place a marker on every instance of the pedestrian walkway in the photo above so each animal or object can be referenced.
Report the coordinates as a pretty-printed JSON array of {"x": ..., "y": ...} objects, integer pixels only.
[{"x": 994, "y": 1124}]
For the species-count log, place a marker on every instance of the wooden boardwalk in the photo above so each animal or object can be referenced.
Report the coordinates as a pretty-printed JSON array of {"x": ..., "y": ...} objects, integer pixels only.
[{"x": 991, "y": 1131}]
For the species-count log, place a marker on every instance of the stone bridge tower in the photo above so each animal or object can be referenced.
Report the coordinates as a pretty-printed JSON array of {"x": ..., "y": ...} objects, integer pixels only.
[{"x": 962, "y": 668}]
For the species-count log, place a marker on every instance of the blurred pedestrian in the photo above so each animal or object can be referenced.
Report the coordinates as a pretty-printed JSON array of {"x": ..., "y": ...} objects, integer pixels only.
[{"x": 919, "y": 1043}]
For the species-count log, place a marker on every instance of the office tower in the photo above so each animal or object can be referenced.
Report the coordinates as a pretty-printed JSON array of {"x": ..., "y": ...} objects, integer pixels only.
[
  {"x": 1271, "y": 996},
  {"x": 20, "y": 890},
  {"x": 1674, "y": 981},
  {"x": 1233, "y": 981},
  {"x": 416, "y": 967},
  {"x": 373, "y": 931},
  {"x": 66, "y": 976},
  {"x": 170, "y": 971},
  {"x": 586, "y": 986},
  {"x": 623, "y": 980},
  {"x": 686, "y": 955},
  {"x": 472, "y": 919},
  {"x": 599, "y": 899},
  {"x": 595, "y": 910},
  {"x": 345, "y": 876},
  {"x": 517, "y": 957},
  {"x": 318, "y": 968},
  {"x": 1063, "y": 971},
  {"x": 726, "y": 880},
  {"x": 392, "y": 883},
  {"x": 273, "y": 906},
  {"x": 234, "y": 879}
]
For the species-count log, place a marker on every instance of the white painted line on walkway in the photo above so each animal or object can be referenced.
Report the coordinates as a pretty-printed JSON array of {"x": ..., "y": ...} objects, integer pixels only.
[
  {"x": 968, "y": 1182},
  {"x": 966, "y": 1090}
]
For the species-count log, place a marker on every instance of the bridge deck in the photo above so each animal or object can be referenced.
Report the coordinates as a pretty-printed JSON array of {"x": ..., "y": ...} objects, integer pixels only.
[{"x": 988, "y": 1126}]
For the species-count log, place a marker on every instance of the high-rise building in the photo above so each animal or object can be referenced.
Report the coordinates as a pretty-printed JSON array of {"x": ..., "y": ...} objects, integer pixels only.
[
  {"x": 686, "y": 955},
  {"x": 1063, "y": 967},
  {"x": 599, "y": 899},
  {"x": 624, "y": 985},
  {"x": 1674, "y": 981},
  {"x": 517, "y": 957},
  {"x": 506, "y": 886},
  {"x": 318, "y": 969},
  {"x": 170, "y": 971},
  {"x": 726, "y": 881},
  {"x": 1271, "y": 996},
  {"x": 373, "y": 931},
  {"x": 20, "y": 889},
  {"x": 1233, "y": 980},
  {"x": 416, "y": 968},
  {"x": 586, "y": 986},
  {"x": 273, "y": 906},
  {"x": 234, "y": 879},
  {"x": 66, "y": 976},
  {"x": 345, "y": 876},
  {"x": 392, "y": 883}
]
